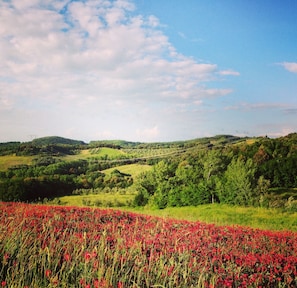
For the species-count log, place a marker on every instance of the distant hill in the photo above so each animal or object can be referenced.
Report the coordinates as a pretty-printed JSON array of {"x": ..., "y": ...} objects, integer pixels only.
[
  {"x": 55, "y": 140},
  {"x": 206, "y": 141},
  {"x": 55, "y": 145},
  {"x": 117, "y": 144}
]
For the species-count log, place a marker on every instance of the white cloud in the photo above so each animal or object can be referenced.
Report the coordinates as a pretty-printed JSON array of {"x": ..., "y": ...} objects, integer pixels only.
[
  {"x": 229, "y": 72},
  {"x": 87, "y": 59},
  {"x": 290, "y": 66}
]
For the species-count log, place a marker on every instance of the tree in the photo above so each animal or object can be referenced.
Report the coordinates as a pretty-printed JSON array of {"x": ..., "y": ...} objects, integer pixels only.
[
  {"x": 213, "y": 166},
  {"x": 146, "y": 187},
  {"x": 163, "y": 174},
  {"x": 238, "y": 185}
]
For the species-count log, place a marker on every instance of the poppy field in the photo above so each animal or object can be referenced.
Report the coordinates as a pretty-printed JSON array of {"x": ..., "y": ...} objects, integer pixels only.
[{"x": 55, "y": 246}]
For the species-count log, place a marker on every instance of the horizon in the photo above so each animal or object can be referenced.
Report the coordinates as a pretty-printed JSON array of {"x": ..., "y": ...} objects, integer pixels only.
[
  {"x": 144, "y": 142},
  {"x": 147, "y": 71}
]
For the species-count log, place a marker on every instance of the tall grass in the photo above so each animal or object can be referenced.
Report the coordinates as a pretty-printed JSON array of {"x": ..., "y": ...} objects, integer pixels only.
[
  {"x": 43, "y": 246},
  {"x": 220, "y": 214}
]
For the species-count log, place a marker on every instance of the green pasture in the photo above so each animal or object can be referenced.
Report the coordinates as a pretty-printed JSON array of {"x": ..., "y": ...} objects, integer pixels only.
[
  {"x": 97, "y": 153},
  {"x": 219, "y": 214},
  {"x": 133, "y": 169},
  {"x": 13, "y": 160}
]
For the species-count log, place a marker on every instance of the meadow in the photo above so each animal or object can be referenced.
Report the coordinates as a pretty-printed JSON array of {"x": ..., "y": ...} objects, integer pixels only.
[
  {"x": 54, "y": 246},
  {"x": 222, "y": 214},
  {"x": 133, "y": 169},
  {"x": 8, "y": 161},
  {"x": 95, "y": 153}
]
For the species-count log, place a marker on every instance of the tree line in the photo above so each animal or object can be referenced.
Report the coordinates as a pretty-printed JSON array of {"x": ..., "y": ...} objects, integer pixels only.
[{"x": 235, "y": 174}]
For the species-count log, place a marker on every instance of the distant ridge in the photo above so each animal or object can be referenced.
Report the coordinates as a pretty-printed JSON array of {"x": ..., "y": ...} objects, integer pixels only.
[
  {"x": 206, "y": 141},
  {"x": 55, "y": 140}
]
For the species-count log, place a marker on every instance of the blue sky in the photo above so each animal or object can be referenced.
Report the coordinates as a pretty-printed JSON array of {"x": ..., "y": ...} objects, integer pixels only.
[{"x": 147, "y": 70}]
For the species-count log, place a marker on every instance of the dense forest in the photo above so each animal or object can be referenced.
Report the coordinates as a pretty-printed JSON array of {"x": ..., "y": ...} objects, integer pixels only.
[{"x": 221, "y": 169}]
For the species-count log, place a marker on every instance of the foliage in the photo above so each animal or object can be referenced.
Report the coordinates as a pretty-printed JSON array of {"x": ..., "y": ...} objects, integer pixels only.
[
  {"x": 47, "y": 246},
  {"x": 55, "y": 140},
  {"x": 35, "y": 188},
  {"x": 238, "y": 183},
  {"x": 9, "y": 148},
  {"x": 220, "y": 169},
  {"x": 238, "y": 174}
]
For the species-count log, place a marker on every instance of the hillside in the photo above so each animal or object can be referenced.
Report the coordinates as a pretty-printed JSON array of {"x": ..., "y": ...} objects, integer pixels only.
[
  {"x": 222, "y": 169},
  {"x": 206, "y": 141},
  {"x": 58, "y": 146},
  {"x": 55, "y": 140}
]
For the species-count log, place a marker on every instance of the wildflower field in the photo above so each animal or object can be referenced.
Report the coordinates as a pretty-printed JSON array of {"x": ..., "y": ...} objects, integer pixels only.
[{"x": 55, "y": 246}]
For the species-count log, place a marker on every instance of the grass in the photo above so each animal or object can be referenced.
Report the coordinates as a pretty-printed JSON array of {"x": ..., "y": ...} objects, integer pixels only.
[
  {"x": 133, "y": 169},
  {"x": 261, "y": 218},
  {"x": 95, "y": 153},
  {"x": 219, "y": 214},
  {"x": 99, "y": 200},
  {"x": 8, "y": 161}
]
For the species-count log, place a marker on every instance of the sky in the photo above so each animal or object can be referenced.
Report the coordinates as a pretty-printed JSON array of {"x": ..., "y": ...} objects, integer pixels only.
[{"x": 147, "y": 70}]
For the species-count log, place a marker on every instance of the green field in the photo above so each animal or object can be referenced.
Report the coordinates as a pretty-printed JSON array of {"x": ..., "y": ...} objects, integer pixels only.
[
  {"x": 97, "y": 153},
  {"x": 13, "y": 160},
  {"x": 133, "y": 169},
  {"x": 115, "y": 198},
  {"x": 219, "y": 214}
]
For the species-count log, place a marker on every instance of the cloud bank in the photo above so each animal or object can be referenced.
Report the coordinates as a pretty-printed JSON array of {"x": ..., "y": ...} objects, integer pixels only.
[{"x": 90, "y": 69}]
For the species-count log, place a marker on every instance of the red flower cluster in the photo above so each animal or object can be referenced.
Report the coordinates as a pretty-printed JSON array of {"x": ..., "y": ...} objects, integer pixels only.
[{"x": 83, "y": 247}]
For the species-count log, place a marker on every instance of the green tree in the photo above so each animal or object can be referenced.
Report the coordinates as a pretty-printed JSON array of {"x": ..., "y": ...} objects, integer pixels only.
[
  {"x": 163, "y": 174},
  {"x": 213, "y": 166},
  {"x": 146, "y": 187},
  {"x": 238, "y": 184}
]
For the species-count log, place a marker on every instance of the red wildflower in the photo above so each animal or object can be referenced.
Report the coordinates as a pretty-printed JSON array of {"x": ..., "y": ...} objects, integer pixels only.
[
  {"x": 88, "y": 256},
  {"x": 67, "y": 257},
  {"x": 48, "y": 273}
]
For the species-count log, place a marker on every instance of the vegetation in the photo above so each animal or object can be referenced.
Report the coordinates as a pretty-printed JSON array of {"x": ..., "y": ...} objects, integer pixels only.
[
  {"x": 222, "y": 214},
  {"x": 219, "y": 180},
  {"x": 46, "y": 246},
  {"x": 11, "y": 161},
  {"x": 222, "y": 169},
  {"x": 241, "y": 174},
  {"x": 105, "y": 199}
]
